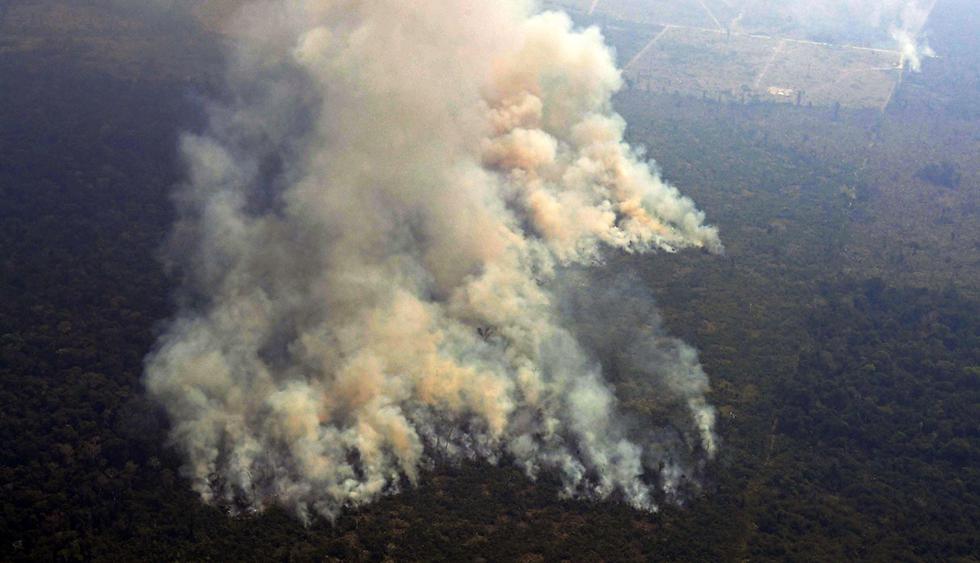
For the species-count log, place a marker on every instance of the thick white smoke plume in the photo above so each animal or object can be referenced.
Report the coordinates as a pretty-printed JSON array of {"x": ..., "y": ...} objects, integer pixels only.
[
  {"x": 906, "y": 31},
  {"x": 377, "y": 233}
]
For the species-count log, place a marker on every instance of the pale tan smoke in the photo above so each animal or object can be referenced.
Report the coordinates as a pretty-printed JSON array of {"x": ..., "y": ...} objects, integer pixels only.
[{"x": 371, "y": 231}]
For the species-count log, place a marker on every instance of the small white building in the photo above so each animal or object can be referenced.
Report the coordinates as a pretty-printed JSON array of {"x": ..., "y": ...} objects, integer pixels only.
[{"x": 784, "y": 92}]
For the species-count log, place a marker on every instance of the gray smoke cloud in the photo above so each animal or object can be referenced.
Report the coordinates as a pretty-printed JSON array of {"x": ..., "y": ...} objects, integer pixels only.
[{"x": 388, "y": 235}]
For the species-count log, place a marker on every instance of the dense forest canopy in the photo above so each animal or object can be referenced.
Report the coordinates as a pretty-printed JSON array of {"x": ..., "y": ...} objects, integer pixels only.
[{"x": 841, "y": 329}]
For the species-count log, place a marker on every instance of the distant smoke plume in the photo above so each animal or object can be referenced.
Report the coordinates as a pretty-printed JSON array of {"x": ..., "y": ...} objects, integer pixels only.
[
  {"x": 389, "y": 236},
  {"x": 907, "y": 29}
]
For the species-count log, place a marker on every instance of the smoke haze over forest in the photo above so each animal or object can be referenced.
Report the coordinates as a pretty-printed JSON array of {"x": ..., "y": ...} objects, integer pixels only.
[{"x": 602, "y": 280}]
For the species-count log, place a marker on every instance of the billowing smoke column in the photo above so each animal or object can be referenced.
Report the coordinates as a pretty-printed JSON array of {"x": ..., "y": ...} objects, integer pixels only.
[{"x": 381, "y": 233}]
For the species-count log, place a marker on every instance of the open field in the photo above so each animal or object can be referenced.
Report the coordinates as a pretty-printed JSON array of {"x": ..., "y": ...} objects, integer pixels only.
[
  {"x": 728, "y": 49},
  {"x": 825, "y": 21},
  {"x": 701, "y": 62},
  {"x": 749, "y": 67},
  {"x": 688, "y": 13},
  {"x": 827, "y": 75}
]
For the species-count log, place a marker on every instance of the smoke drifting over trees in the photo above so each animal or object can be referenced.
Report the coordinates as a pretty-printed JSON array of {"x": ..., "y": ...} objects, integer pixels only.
[{"x": 376, "y": 236}]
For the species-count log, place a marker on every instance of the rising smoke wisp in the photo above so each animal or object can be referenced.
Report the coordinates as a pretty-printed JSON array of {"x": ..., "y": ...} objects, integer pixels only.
[{"x": 378, "y": 234}]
